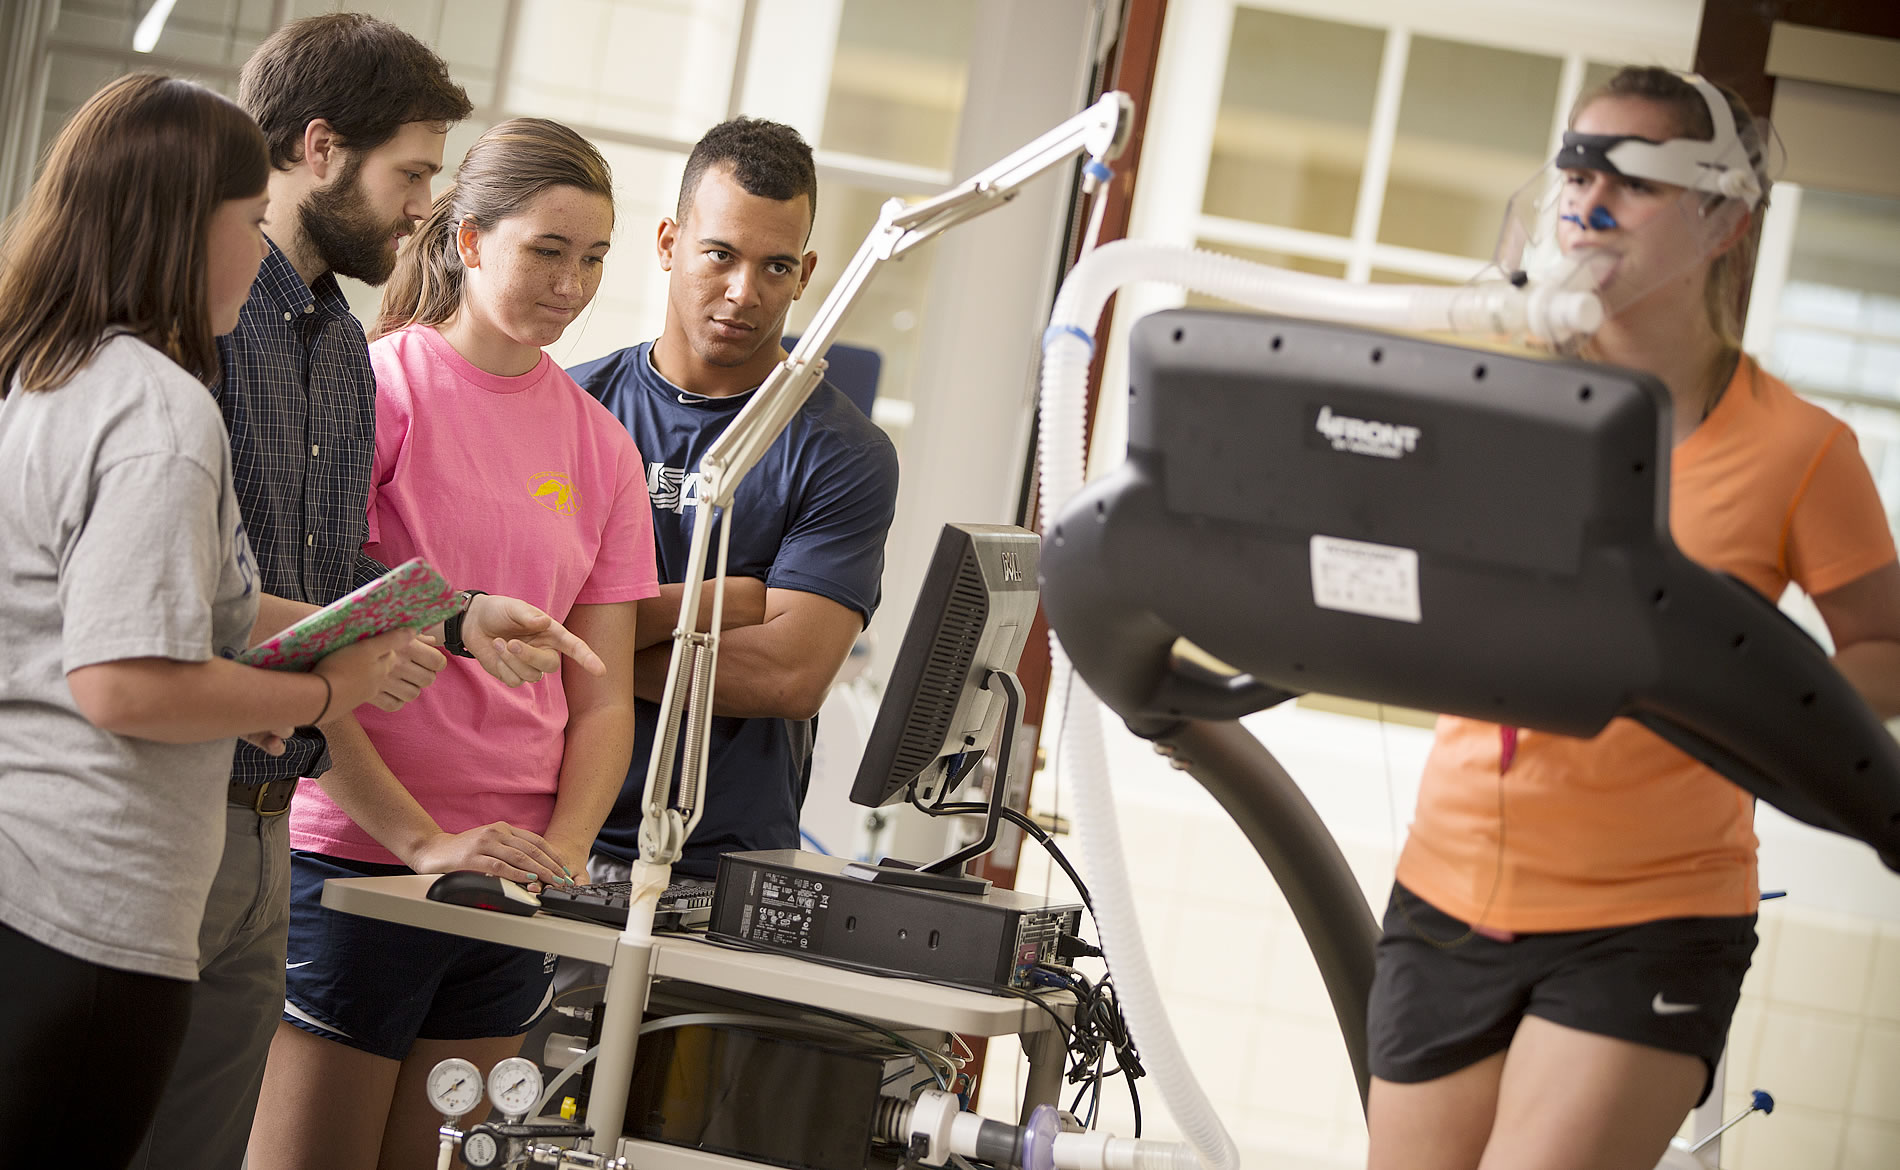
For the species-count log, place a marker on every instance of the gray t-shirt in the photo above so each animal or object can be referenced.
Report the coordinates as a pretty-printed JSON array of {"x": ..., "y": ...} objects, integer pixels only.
[{"x": 119, "y": 538}]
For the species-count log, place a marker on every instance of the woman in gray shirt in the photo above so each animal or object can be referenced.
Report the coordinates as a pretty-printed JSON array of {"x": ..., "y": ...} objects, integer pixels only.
[{"x": 126, "y": 583}]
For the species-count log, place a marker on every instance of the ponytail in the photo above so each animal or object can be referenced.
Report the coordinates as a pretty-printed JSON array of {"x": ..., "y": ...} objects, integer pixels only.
[
  {"x": 426, "y": 286},
  {"x": 502, "y": 173}
]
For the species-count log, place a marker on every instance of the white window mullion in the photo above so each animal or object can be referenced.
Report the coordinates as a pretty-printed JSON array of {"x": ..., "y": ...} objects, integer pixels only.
[
  {"x": 505, "y": 59},
  {"x": 1184, "y": 108},
  {"x": 742, "y": 58},
  {"x": 789, "y": 53},
  {"x": 1385, "y": 126},
  {"x": 1569, "y": 88},
  {"x": 1772, "y": 257}
]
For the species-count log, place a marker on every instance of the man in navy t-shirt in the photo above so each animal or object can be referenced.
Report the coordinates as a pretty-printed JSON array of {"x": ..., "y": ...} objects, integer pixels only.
[{"x": 808, "y": 522}]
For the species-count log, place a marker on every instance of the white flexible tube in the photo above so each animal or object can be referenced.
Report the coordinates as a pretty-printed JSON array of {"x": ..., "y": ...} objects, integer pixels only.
[
  {"x": 1099, "y": 1151},
  {"x": 1549, "y": 314}
]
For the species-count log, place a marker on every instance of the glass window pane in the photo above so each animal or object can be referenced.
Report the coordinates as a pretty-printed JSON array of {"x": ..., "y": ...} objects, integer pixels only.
[
  {"x": 470, "y": 41},
  {"x": 105, "y": 23},
  {"x": 889, "y": 308},
  {"x": 1812, "y": 303},
  {"x": 217, "y": 34},
  {"x": 1882, "y": 315},
  {"x": 202, "y": 31},
  {"x": 1838, "y": 314},
  {"x": 1879, "y": 370},
  {"x": 1474, "y": 126},
  {"x": 1878, "y": 429},
  {"x": 591, "y": 63},
  {"x": 1295, "y": 113},
  {"x": 70, "y": 80},
  {"x": 898, "y": 79},
  {"x": 1812, "y": 358},
  {"x": 1849, "y": 244}
]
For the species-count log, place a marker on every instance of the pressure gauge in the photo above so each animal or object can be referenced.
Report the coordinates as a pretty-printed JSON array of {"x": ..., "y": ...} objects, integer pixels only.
[
  {"x": 480, "y": 1150},
  {"x": 514, "y": 1086},
  {"x": 455, "y": 1087}
]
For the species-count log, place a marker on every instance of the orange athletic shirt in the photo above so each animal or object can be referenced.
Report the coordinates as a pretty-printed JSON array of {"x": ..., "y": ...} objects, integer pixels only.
[{"x": 1623, "y": 828}]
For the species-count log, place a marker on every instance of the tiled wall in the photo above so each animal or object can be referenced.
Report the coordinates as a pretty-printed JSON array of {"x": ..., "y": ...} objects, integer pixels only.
[{"x": 1818, "y": 1026}]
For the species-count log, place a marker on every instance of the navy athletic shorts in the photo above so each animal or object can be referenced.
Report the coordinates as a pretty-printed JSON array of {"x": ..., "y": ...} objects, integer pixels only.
[
  {"x": 379, "y": 987},
  {"x": 1444, "y": 998}
]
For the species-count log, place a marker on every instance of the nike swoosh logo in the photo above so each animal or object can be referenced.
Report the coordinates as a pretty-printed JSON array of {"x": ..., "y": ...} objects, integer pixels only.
[
  {"x": 294, "y": 966},
  {"x": 1663, "y": 1007}
]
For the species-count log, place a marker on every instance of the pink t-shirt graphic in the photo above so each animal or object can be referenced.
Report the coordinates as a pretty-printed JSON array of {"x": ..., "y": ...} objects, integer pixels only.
[{"x": 520, "y": 486}]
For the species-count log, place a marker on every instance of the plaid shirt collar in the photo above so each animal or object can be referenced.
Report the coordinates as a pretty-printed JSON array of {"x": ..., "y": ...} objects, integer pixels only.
[{"x": 277, "y": 280}]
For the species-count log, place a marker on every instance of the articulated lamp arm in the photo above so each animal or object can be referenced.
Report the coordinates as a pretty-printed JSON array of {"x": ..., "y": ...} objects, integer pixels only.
[{"x": 1101, "y": 131}]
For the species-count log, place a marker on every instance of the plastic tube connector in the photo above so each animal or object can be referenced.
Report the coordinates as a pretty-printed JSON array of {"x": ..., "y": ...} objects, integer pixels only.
[{"x": 1039, "y": 1138}]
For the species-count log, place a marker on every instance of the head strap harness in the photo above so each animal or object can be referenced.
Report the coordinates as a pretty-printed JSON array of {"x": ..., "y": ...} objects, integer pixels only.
[{"x": 1719, "y": 166}]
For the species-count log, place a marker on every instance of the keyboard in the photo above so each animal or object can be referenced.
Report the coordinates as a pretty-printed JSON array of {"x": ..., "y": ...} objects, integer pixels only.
[{"x": 684, "y": 905}]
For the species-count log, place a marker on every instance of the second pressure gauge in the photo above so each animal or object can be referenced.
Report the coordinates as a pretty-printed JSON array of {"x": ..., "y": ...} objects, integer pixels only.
[{"x": 514, "y": 1086}]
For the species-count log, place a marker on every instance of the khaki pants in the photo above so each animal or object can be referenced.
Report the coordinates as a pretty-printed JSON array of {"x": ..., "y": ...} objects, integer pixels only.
[{"x": 204, "y": 1120}]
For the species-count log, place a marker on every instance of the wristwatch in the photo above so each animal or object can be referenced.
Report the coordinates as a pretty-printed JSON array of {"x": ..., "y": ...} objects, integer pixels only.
[{"x": 452, "y": 627}]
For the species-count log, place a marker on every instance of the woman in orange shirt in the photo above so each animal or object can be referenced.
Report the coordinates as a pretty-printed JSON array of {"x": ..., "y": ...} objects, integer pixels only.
[{"x": 1571, "y": 921}]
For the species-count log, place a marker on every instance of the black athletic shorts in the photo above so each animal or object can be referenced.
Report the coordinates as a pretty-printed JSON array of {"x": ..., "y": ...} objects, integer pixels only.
[{"x": 1444, "y": 998}]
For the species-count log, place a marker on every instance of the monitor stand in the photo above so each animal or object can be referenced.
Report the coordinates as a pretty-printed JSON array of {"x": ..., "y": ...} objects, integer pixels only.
[{"x": 946, "y": 874}]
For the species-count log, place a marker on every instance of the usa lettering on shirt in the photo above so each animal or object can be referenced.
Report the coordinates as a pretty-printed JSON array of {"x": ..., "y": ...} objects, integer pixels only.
[{"x": 672, "y": 488}]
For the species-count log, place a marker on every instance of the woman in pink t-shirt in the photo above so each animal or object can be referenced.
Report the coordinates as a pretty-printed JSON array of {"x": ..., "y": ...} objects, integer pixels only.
[{"x": 497, "y": 468}]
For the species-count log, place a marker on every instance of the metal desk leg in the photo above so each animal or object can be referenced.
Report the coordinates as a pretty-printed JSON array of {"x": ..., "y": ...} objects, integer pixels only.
[
  {"x": 628, "y": 982},
  {"x": 1044, "y": 1086}
]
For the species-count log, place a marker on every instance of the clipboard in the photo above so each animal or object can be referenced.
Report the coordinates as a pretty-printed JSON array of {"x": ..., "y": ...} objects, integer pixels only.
[{"x": 410, "y": 596}]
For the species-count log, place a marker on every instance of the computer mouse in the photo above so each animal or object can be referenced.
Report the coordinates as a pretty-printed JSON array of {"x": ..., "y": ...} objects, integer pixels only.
[{"x": 467, "y": 888}]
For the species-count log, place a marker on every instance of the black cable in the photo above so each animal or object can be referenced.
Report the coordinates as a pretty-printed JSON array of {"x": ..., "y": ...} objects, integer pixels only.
[
  {"x": 960, "y": 767},
  {"x": 1029, "y": 826},
  {"x": 1100, "y": 1027}
]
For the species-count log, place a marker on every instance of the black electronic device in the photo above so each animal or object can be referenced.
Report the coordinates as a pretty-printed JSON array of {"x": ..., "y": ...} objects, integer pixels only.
[
  {"x": 683, "y": 905},
  {"x": 483, "y": 891},
  {"x": 805, "y": 904},
  {"x": 783, "y": 1098},
  {"x": 952, "y": 687}
]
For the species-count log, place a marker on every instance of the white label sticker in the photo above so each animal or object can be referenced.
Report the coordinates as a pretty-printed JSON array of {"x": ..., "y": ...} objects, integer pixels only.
[{"x": 1377, "y": 580}]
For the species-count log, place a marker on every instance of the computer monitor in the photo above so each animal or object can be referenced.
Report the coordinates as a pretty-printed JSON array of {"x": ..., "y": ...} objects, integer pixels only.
[{"x": 953, "y": 687}]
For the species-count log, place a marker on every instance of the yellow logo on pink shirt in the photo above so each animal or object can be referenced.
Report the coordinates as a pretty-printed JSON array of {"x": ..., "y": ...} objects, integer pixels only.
[{"x": 555, "y": 493}]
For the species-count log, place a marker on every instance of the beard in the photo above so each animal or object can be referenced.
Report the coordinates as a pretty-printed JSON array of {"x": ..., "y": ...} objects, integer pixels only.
[{"x": 338, "y": 223}]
